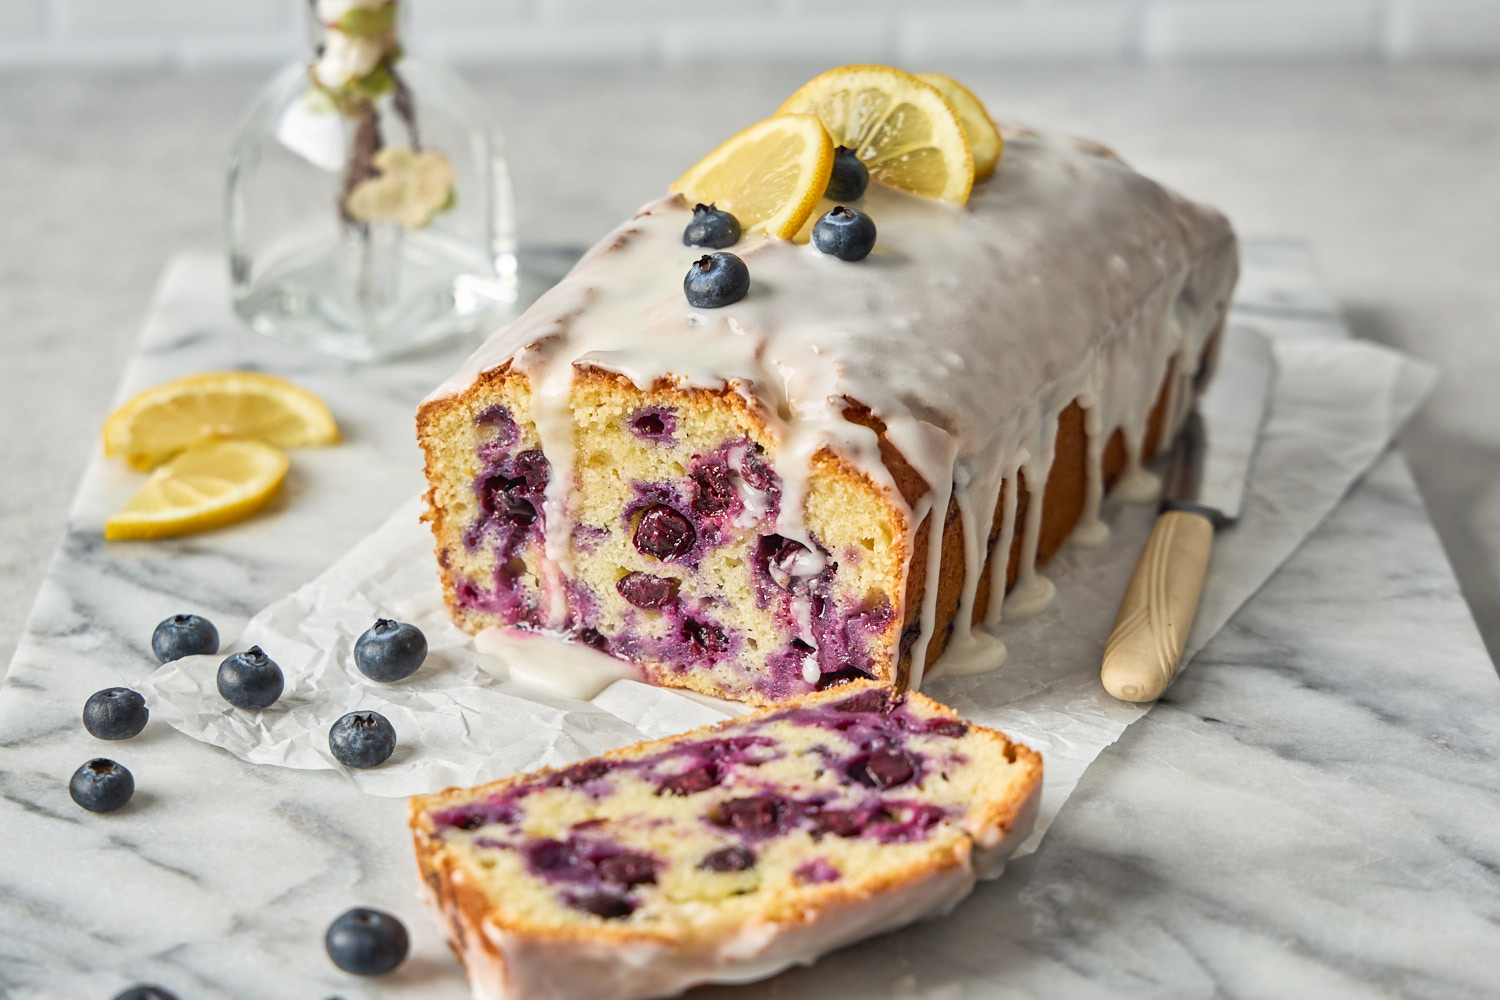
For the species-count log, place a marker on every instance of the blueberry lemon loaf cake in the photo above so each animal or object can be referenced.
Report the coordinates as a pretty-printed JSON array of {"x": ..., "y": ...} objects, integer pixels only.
[
  {"x": 836, "y": 468},
  {"x": 725, "y": 854}
]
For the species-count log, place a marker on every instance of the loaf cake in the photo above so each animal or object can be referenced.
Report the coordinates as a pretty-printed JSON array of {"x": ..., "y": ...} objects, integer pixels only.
[
  {"x": 846, "y": 471},
  {"x": 725, "y": 854}
]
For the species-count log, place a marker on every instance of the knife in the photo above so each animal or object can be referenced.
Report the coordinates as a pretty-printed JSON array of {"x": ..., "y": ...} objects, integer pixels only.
[{"x": 1202, "y": 493}]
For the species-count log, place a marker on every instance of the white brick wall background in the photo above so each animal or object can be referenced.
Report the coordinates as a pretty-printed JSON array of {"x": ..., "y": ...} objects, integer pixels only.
[{"x": 201, "y": 34}]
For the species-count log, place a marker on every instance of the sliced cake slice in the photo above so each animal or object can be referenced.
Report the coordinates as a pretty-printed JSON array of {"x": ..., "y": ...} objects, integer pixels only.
[{"x": 725, "y": 854}]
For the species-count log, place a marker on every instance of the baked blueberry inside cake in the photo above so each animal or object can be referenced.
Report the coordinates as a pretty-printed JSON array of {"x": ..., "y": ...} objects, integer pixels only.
[{"x": 852, "y": 809}]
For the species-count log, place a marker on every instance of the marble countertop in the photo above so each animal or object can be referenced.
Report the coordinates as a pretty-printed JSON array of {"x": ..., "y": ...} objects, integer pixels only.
[{"x": 1312, "y": 810}]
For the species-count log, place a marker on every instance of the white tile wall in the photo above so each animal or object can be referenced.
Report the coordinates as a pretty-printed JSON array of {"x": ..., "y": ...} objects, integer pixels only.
[
  {"x": 209, "y": 33},
  {"x": 1443, "y": 28}
]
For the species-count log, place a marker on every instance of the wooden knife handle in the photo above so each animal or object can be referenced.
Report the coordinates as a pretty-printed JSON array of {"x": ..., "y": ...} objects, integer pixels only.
[{"x": 1145, "y": 645}]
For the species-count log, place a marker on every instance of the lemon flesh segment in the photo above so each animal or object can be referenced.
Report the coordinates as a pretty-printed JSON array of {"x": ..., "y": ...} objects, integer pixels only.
[
  {"x": 206, "y": 486},
  {"x": 159, "y": 422},
  {"x": 985, "y": 142},
  {"x": 903, "y": 128},
  {"x": 769, "y": 177}
]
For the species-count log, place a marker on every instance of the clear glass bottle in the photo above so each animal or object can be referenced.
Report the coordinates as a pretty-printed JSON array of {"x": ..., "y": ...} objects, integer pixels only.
[{"x": 311, "y": 261}]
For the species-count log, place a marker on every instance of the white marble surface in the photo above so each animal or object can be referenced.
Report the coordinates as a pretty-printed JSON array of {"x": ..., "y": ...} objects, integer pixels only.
[{"x": 1313, "y": 809}]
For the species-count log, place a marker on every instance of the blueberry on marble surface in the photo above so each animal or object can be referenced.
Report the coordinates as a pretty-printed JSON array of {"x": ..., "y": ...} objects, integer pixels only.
[
  {"x": 849, "y": 176},
  {"x": 711, "y": 227},
  {"x": 147, "y": 991},
  {"x": 250, "y": 680},
  {"x": 845, "y": 233},
  {"x": 184, "y": 635},
  {"x": 362, "y": 739},
  {"x": 115, "y": 713},
  {"x": 716, "y": 279},
  {"x": 367, "y": 942},
  {"x": 101, "y": 785},
  {"x": 390, "y": 651}
]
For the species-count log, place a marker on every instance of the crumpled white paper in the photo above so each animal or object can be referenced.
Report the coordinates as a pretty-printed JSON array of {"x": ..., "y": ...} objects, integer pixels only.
[{"x": 1336, "y": 405}]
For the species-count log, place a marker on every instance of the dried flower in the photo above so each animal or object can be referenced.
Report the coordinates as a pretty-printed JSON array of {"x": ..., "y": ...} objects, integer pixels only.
[
  {"x": 410, "y": 188},
  {"x": 333, "y": 11},
  {"x": 346, "y": 59}
]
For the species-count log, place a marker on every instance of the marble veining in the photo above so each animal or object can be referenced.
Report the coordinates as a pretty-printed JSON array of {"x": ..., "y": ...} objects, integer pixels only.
[{"x": 1312, "y": 810}]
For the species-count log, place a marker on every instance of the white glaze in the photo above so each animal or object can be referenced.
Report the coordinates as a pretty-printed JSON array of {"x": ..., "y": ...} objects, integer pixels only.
[
  {"x": 504, "y": 965},
  {"x": 967, "y": 331},
  {"x": 547, "y": 663}
]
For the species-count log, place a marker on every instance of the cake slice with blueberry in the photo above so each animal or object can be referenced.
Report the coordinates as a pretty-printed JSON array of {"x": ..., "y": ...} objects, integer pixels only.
[
  {"x": 725, "y": 854},
  {"x": 849, "y": 436}
]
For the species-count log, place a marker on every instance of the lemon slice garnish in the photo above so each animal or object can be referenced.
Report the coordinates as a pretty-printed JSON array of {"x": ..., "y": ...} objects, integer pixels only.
[
  {"x": 903, "y": 129},
  {"x": 160, "y": 422},
  {"x": 984, "y": 138},
  {"x": 769, "y": 177},
  {"x": 206, "y": 486}
]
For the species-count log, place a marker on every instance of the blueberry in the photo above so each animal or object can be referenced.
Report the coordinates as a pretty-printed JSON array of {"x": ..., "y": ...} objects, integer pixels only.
[
  {"x": 580, "y": 774},
  {"x": 147, "y": 991},
  {"x": 753, "y": 814},
  {"x": 367, "y": 942},
  {"x": 594, "y": 639},
  {"x": 872, "y": 700},
  {"x": 501, "y": 496},
  {"x": 390, "y": 651},
  {"x": 883, "y": 769},
  {"x": 184, "y": 635},
  {"x": 778, "y": 557},
  {"x": 250, "y": 680},
  {"x": 628, "y": 869},
  {"x": 711, "y": 227},
  {"x": 839, "y": 822},
  {"x": 101, "y": 785},
  {"x": 699, "y": 779},
  {"x": 114, "y": 714},
  {"x": 845, "y": 233},
  {"x": 758, "y": 474},
  {"x": 849, "y": 178},
  {"x": 713, "y": 489},
  {"x": 650, "y": 593},
  {"x": 728, "y": 859},
  {"x": 704, "y": 639},
  {"x": 605, "y": 904},
  {"x": 362, "y": 739},
  {"x": 664, "y": 533},
  {"x": 953, "y": 728},
  {"x": 715, "y": 280}
]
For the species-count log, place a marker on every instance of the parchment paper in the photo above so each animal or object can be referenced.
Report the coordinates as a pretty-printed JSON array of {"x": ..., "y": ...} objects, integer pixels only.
[{"x": 1336, "y": 406}]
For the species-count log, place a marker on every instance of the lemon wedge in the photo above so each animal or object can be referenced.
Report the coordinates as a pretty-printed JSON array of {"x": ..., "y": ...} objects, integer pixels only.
[
  {"x": 769, "y": 177},
  {"x": 984, "y": 138},
  {"x": 206, "y": 486},
  {"x": 160, "y": 422},
  {"x": 904, "y": 129}
]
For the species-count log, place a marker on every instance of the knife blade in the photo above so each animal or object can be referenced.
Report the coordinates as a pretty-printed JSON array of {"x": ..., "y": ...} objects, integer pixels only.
[{"x": 1203, "y": 491}]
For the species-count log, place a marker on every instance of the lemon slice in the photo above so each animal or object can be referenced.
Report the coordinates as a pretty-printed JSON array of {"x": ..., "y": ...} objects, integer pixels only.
[
  {"x": 984, "y": 138},
  {"x": 903, "y": 129},
  {"x": 160, "y": 422},
  {"x": 206, "y": 486},
  {"x": 769, "y": 177}
]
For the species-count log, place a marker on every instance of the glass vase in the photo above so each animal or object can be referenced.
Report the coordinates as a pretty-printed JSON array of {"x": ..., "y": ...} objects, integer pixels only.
[{"x": 305, "y": 270}]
